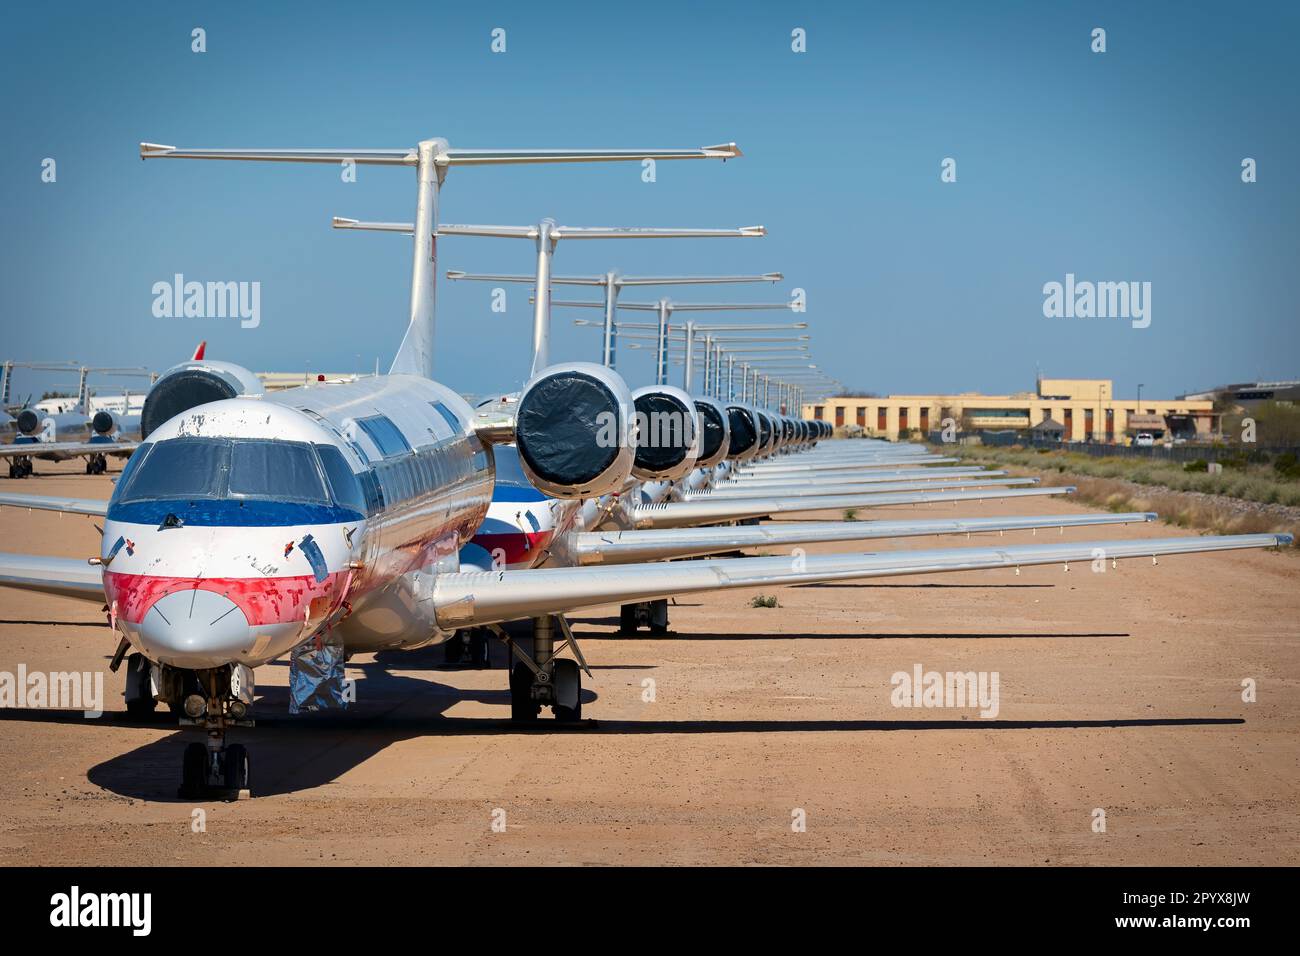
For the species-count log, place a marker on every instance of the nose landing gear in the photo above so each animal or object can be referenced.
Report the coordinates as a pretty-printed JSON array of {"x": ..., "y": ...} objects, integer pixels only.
[
  {"x": 213, "y": 770},
  {"x": 20, "y": 467},
  {"x": 96, "y": 464}
]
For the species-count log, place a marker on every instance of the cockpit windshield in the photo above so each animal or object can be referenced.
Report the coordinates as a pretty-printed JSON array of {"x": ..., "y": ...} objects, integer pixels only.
[{"x": 216, "y": 468}]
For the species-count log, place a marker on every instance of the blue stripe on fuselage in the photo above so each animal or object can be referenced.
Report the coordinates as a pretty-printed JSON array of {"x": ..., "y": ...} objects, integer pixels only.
[{"x": 231, "y": 513}]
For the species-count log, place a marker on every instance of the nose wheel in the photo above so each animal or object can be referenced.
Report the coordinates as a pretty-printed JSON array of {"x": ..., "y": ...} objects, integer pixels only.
[{"x": 213, "y": 770}]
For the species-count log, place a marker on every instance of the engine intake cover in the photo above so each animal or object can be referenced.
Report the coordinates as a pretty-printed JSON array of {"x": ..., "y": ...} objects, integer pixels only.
[
  {"x": 668, "y": 433},
  {"x": 573, "y": 431},
  {"x": 191, "y": 384},
  {"x": 715, "y": 434},
  {"x": 744, "y": 432}
]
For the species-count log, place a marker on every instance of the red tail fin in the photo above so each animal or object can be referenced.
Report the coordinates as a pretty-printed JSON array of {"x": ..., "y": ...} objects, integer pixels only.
[{"x": 198, "y": 352}]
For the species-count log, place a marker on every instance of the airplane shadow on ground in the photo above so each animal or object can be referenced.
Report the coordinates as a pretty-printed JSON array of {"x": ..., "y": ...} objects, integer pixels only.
[
  {"x": 60, "y": 623},
  {"x": 293, "y": 754},
  {"x": 847, "y": 636}
]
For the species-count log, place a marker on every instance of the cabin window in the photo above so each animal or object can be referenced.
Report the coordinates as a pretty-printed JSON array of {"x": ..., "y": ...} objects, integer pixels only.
[
  {"x": 386, "y": 436},
  {"x": 449, "y": 416},
  {"x": 373, "y": 493}
]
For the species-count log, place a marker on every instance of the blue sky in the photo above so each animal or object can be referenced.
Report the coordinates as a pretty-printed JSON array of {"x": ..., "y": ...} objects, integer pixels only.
[{"x": 1116, "y": 166}]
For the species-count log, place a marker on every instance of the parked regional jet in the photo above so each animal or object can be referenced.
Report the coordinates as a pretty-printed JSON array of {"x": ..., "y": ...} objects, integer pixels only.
[{"x": 247, "y": 527}]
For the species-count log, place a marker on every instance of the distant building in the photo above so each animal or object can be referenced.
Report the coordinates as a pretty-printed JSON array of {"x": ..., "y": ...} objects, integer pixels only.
[
  {"x": 1083, "y": 409},
  {"x": 1249, "y": 394}
]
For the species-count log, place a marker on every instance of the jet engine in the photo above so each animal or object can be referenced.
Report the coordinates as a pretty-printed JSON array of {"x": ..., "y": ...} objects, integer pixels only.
[
  {"x": 575, "y": 431},
  {"x": 195, "y": 383},
  {"x": 743, "y": 427},
  {"x": 27, "y": 422},
  {"x": 766, "y": 433},
  {"x": 715, "y": 432},
  {"x": 668, "y": 433}
]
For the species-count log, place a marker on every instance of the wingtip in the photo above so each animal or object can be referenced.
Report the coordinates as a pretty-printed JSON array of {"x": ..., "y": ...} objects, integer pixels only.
[
  {"x": 1150, "y": 516},
  {"x": 154, "y": 149},
  {"x": 342, "y": 222},
  {"x": 1285, "y": 540},
  {"x": 731, "y": 150}
]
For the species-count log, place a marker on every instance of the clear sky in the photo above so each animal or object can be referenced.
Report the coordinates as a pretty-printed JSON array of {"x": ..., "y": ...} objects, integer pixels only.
[{"x": 1120, "y": 166}]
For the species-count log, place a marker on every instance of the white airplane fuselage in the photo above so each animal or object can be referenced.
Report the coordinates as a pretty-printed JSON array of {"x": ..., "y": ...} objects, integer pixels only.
[{"x": 327, "y": 505}]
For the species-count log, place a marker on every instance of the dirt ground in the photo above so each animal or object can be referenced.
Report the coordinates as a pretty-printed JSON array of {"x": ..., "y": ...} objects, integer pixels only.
[{"x": 1120, "y": 692}]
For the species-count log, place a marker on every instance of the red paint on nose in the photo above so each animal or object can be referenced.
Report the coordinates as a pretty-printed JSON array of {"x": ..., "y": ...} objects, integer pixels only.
[{"x": 263, "y": 600}]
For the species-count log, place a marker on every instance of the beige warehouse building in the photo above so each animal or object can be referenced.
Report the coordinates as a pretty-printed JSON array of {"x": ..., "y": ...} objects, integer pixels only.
[{"x": 1085, "y": 408}]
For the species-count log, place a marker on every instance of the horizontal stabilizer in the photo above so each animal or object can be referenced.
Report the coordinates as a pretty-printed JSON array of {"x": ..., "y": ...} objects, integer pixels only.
[{"x": 444, "y": 155}]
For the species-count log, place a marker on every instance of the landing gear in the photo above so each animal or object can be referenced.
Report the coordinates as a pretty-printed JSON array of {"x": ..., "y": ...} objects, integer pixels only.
[
  {"x": 140, "y": 700},
  {"x": 20, "y": 467},
  {"x": 651, "y": 614},
  {"x": 469, "y": 646},
  {"x": 567, "y": 684},
  {"x": 544, "y": 679},
  {"x": 212, "y": 770},
  {"x": 522, "y": 706},
  {"x": 96, "y": 464}
]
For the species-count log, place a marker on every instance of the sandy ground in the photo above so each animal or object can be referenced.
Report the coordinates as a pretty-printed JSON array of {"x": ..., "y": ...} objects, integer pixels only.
[{"x": 1119, "y": 691}]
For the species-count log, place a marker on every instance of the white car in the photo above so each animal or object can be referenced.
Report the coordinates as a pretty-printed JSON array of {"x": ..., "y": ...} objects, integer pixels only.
[{"x": 1145, "y": 439}]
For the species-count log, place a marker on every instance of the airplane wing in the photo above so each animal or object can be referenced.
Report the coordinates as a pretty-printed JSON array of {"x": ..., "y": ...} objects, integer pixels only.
[
  {"x": 68, "y": 577},
  {"x": 67, "y": 449},
  {"x": 626, "y": 547},
  {"x": 813, "y": 489},
  {"x": 678, "y": 514},
  {"x": 470, "y": 599},
  {"x": 74, "y": 506}
]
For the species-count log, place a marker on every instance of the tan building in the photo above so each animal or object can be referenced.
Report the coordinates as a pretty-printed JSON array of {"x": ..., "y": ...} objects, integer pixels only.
[{"x": 1085, "y": 407}]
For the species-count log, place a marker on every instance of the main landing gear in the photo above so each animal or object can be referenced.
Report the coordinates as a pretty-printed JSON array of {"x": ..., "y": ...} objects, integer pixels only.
[
  {"x": 20, "y": 467},
  {"x": 542, "y": 679},
  {"x": 96, "y": 464},
  {"x": 651, "y": 614}
]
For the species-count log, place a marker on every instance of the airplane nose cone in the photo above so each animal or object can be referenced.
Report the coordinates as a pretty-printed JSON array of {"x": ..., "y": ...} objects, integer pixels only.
[{"x": 195, "y": 629}]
